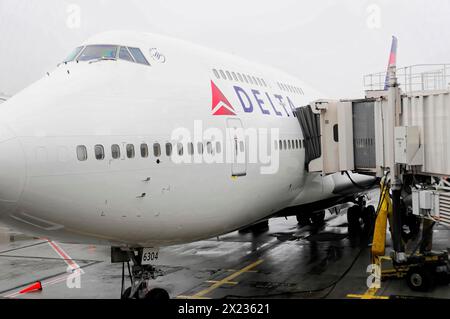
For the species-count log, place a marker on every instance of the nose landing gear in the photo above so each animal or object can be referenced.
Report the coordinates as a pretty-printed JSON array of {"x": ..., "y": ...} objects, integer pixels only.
[{"x": 139, "y": 274}]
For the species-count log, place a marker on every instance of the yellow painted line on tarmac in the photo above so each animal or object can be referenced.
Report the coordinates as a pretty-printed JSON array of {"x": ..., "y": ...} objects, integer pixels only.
[
  {"x": 369, "y": 294},
  {"x": 227, "y": 280},
  {"x": 227, "y": 283}
]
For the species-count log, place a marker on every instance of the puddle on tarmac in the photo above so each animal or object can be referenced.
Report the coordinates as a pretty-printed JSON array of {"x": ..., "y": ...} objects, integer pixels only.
[{"x": 327, "y": 236}]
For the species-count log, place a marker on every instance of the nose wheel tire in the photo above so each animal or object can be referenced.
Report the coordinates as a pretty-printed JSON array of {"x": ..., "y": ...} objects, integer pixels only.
[
  {"x": 157, "y": 294},
  {"x": 127, "y": 294}
]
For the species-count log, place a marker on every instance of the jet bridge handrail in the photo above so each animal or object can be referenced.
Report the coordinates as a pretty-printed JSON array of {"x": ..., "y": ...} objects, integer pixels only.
[{"x": 419, "y": 77}]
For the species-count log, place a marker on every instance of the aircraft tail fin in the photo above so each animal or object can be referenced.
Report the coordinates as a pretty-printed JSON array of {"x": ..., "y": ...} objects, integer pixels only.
[{"x": 392, "y": 60}]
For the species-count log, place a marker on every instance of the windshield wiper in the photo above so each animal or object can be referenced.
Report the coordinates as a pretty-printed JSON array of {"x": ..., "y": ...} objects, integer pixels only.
[{"x": 103, "y": 59}]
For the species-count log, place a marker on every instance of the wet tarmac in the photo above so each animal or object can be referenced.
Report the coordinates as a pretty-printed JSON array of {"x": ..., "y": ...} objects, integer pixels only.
[{"x": 286, "y": 261}]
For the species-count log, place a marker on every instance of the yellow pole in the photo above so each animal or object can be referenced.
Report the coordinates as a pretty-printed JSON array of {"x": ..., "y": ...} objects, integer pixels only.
[{"x": 379, "y": 234}]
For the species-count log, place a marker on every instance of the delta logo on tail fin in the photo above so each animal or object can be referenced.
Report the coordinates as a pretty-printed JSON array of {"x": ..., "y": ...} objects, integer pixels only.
[
  {"x": 392, "y": 61},
  {"x": 220, "y": 104}
]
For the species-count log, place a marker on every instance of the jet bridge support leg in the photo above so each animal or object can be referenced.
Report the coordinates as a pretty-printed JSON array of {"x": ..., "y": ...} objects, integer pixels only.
[
  {"x": 397, "y": 226},
  {"x": 422, "y": 269}
]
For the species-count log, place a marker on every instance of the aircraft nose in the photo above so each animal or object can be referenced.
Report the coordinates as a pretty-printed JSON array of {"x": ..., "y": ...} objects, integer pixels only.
[{"x": 12, "y": 170}]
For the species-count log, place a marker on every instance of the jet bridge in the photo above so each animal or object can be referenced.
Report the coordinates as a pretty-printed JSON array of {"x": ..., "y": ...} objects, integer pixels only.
[
  {"x": 400, "y": 131},
  {"x": 406, "y": 126},
  {"x": 363, "y": 135}
]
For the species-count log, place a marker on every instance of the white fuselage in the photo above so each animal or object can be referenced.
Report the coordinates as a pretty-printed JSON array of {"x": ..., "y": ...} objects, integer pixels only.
[{"x": 153, "y": 201}]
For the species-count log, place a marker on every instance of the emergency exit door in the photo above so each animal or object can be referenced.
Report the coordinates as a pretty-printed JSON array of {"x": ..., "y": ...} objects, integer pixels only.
[{"x": 237, "y": 146}]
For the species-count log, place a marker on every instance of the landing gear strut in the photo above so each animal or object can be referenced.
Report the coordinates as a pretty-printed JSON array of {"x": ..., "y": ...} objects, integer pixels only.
[
  {"x": 315, "y": 219},
  {"x": 140, "y": 275}
]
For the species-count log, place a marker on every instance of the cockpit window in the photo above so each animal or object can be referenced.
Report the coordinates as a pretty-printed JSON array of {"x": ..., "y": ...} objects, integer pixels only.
[
  {"x": 124, "y": 54},
  {"x": 99, "y": 52},
  {"x": 138, "y": 56},
  {"x": 94, "y": 52},
  {"x": 73, "y": 54}
]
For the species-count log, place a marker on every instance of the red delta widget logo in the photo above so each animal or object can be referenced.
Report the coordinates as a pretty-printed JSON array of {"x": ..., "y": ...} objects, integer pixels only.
[{"x": 268, "y": 104}]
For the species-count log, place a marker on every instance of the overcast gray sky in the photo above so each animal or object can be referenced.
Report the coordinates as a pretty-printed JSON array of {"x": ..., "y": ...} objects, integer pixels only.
[{"x": 329, "y": 44}]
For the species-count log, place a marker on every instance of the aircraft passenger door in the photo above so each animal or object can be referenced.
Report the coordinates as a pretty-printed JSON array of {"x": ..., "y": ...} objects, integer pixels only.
[{"x": 237, "y": 146}]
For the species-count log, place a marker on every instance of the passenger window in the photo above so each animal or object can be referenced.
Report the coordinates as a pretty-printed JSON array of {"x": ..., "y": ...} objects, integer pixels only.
[
  {"x": 250, "y": 79},
  {"x": 216, "y": 73},
  {"x": 218, "y": 148},
  {"x": 254, "y": 80},
  {"x": 284, "y": 144},
  {"x": 296, "y": 144},
  {"x": 115, "y": 151},
  {"x": 124, "y": 54},
  {"x": 180, "y": 149},
  {"x": 168, "y": 149},
  {"x": 82, "y": 153},
  {"x": 281, "y": 145},
  {"x": 144, "y": 150},
  {"x": 240, "y": 77},
  {"x": 234, "y": 76},
  {"x": 190, "y": 149},
  {"x": 209, "y": 147},
  {"x": 200, "y": 147},
  {"x": 222, "y": 74},
  {"x": 138, "y": 56},
  {"x": 264, "y": 82},
  {"x": 259, "y": 82},
  {"x": 289, "y": 144},
  {"x": 130, "y": 150},
  {"x": 229, "y": 76},
  {"x": 245, "y": 78},
  {"x": 156, "y": 150},
  {"x": 99, "y": 152}
]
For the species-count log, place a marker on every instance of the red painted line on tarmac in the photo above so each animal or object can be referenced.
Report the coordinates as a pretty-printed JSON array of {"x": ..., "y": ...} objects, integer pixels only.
[{"x": 67, "y": 259}]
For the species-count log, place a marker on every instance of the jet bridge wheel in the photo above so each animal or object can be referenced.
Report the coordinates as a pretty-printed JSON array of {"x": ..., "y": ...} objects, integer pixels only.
[{"x": 420, "y": 279}]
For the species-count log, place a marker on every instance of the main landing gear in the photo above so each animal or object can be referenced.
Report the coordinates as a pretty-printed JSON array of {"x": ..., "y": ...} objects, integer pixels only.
[
  {"x": 139, "y": 275},
  {"x": 316, "y": 218},
  {"x": 360, "y": 213}
]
